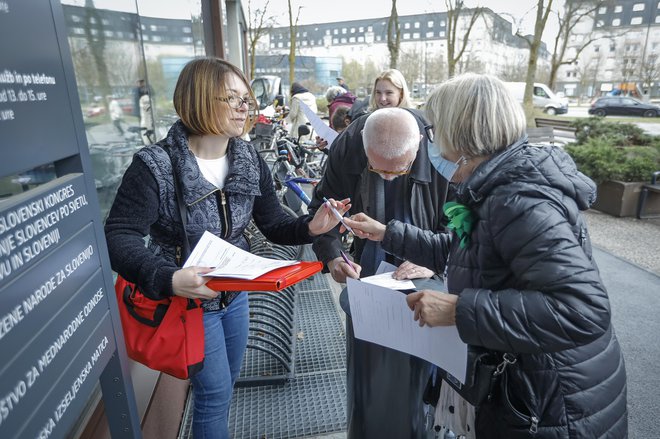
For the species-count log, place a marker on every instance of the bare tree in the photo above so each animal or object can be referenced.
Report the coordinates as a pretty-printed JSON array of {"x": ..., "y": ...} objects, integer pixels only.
[
  {"x": 393, "y": 36},
  {"x": 260, "y": 24},
  {"x": 573, "y": 13},
  {"x": 293, "y": 30},
  {"x": 649, "y": 72},
  {"x": 542, "y": 14},
  {"x": 412, "y": 65},
  {"x": 454, "y": 10}
]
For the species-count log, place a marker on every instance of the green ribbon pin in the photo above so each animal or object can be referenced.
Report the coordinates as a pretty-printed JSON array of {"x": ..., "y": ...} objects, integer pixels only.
[{"x": 461, "y": 221}]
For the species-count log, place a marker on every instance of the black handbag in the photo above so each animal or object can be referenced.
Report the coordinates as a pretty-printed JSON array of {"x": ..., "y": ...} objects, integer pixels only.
[{"x": 484, "y": 370}]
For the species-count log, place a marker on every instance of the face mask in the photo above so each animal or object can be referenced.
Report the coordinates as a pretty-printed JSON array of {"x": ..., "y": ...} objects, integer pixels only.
[{"x": 444, "y": 167}]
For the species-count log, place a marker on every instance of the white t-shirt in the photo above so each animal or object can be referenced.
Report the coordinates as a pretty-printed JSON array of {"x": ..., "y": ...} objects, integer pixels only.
[{"x": 215, "y": 170}]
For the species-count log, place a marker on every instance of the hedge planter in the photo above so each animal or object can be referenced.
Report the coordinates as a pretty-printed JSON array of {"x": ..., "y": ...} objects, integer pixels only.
[{"x": 618, "y": 198}]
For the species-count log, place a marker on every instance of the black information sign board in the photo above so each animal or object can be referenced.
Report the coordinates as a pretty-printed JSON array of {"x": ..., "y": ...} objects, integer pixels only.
[{"x": 60, "y": 332}]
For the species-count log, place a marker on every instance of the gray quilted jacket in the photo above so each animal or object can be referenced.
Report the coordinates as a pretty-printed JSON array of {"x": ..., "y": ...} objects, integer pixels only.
[
  {"x": 528, "y": 285},
  {"x": 145, "y": 205}
]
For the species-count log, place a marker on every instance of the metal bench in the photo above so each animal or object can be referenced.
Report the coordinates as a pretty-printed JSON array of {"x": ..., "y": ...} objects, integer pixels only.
[
  {"x": 648, "y": 189},
  {"x": 562, "y": 127},
  {"x": 544, "y": 135}
]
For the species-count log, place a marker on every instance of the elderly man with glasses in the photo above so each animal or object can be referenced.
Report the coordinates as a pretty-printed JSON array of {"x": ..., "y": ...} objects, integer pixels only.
[{"x": 381, "y": 162}]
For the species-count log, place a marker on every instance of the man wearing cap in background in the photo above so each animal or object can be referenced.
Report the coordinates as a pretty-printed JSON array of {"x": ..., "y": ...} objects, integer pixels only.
[{"x": 342, "y": 83}]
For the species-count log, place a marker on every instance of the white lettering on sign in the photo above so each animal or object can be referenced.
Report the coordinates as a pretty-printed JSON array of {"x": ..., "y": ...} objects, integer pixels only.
[
  {"x": 10, "y": 320},
  {"x": 21, "y": 87},
  {"x": 16, "y": 315},
  {"x": 13, "y": 397},
  {"x": 11, "y": 400},
  {"x": 30, "y": 229},
  {"x": 58, "y": 344}
]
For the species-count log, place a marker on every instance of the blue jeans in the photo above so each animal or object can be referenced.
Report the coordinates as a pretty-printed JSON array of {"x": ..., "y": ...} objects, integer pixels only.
[{"x": 225, "y": 338}]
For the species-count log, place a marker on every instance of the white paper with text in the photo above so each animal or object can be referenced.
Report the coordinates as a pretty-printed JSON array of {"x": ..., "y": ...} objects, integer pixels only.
[
  {"x": 381, "y": 315},
  {"x": 229, "y": 260}
]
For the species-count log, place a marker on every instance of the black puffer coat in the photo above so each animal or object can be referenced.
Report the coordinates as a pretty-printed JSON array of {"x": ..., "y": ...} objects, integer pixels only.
[{"x": 528, "y": 285}]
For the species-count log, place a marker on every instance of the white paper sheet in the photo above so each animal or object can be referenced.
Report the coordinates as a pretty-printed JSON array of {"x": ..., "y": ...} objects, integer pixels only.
[
  {"x": 387, "y": 281},
  {"x": 229, "y": 260},
  {"x": 322, "y": 130},
  {"x": 381, "y": 315}
]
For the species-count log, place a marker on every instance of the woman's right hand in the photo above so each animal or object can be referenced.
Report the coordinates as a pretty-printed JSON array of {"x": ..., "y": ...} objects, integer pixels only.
[
  {"x": 365, "y": 227},
  {"x": 190, "y": 282},
  {"x": 340, "y": 270}
]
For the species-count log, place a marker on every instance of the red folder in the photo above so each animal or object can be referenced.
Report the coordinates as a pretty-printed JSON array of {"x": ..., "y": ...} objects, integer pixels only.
[{"x": 275, "y": 280}]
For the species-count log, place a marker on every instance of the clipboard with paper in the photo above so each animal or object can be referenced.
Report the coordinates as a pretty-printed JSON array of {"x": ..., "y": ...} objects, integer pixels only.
[{"x": 239, "y": 270}]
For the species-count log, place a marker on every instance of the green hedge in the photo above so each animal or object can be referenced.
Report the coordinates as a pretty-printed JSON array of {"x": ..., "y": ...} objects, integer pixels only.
[{"x": 614, "y": 151}]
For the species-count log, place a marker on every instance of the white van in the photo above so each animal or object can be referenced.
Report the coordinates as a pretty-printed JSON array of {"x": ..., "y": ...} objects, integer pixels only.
[{"x": 543, "y": 97}]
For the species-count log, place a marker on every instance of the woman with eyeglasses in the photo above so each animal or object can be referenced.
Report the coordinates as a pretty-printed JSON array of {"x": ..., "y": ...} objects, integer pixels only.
[{"x": 225, "y": 184}]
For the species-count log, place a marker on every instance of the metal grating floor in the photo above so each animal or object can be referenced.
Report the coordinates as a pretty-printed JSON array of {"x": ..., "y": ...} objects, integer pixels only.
[{"x": 313, "y": 402}]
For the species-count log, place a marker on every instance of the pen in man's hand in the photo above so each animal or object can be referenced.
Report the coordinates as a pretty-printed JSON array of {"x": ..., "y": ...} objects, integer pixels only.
[
  {"x": 338, "y": 215},
  {"x": 348, "y": 261}
]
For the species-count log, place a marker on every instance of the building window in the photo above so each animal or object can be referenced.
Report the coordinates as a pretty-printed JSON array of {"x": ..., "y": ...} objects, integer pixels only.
[
  {"x": 360, "y": 39},
  {"x": 406, "y": 36},
  {"x": 430, "y": 23},
  {"x": 335, "y": 41},
  {"x": 335, "y": 32},
  {"x": 304, "y": 34},
  {"x": 352, "y": 30},
  {"x": 602, "y": 10},
  {"x": 638, "y": 7},
  {"x": 378, "y": 38},
  {"x": 416, "y": 35},
  {"x": 370, "y": 28},
  {"x": 187, "y": 30},
  {"x": 343, "y": 40},
  {"x": 441, "y": 34},
  {"x": 600, "y": 23},
  {"x": 107, "y": 33},
  {"x": 344, "y": 30},
  {"x": 616, "y": 22},
  {"x": 636, "y": 20},
  {"x": 442, "y": 23},
  {"x": 657, "y": 18},
  {"x": 417, "y": 25},
  {"x": 272, "y": 45},
  {"x": 327, "y": 31},
  {"x": 280, "y": 44},
  {"x": 351, "y": 40},
  {"x": 429, "y": 34},
  {"x": 361, "y": 29},
  {"x": 618, "y": 8}
]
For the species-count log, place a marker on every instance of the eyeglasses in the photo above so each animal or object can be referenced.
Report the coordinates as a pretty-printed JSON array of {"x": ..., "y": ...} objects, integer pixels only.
[
  {"x": 386, "y": 172},
  {"x": 237, "y": 102},
  {"x": 429, "y": 132}
]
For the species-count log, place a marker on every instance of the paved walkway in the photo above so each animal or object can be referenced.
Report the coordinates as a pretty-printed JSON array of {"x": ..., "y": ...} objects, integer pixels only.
[{"x": 627, "y": 251}]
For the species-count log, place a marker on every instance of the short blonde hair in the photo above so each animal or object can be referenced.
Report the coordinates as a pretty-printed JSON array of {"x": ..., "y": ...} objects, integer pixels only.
[
  {"x": 397, "y": 79},
  {"x": 475, "y": 115},
  {"x": 200, "y": 82}
]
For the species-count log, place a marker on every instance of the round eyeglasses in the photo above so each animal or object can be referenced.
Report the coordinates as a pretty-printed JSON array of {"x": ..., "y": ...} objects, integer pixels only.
[{"x": 237, "y": 102}]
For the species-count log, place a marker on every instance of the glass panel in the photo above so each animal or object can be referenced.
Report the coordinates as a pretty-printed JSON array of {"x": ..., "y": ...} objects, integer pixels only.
[{"x": 127, "y": 55}]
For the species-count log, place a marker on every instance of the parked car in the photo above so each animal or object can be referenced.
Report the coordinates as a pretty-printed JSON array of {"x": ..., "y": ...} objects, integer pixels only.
[{"x": 622, "y": 106}]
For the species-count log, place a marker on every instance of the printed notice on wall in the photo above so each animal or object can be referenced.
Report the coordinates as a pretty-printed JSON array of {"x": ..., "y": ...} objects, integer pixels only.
[{"x": 20, "y": 89}]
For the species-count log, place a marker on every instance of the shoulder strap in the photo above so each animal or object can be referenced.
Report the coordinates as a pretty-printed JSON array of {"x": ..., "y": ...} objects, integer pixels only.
[{"x": 182, "y": 207}]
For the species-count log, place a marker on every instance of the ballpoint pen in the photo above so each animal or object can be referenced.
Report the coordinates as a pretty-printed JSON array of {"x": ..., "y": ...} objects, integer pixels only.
[
  {"x": 348, "y": 261},
  {"x": 338, "y": 215}
]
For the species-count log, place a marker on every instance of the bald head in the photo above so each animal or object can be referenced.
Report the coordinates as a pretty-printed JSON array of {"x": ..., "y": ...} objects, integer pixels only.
[{"x": 391, "y": 133}]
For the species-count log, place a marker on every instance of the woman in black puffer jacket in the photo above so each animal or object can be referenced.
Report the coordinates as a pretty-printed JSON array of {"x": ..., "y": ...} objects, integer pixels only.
[{"x": 518, "y": 268}]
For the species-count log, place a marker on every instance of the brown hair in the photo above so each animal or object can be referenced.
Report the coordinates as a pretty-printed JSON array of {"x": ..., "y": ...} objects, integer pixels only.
[{"x": 200, "y": 82}]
